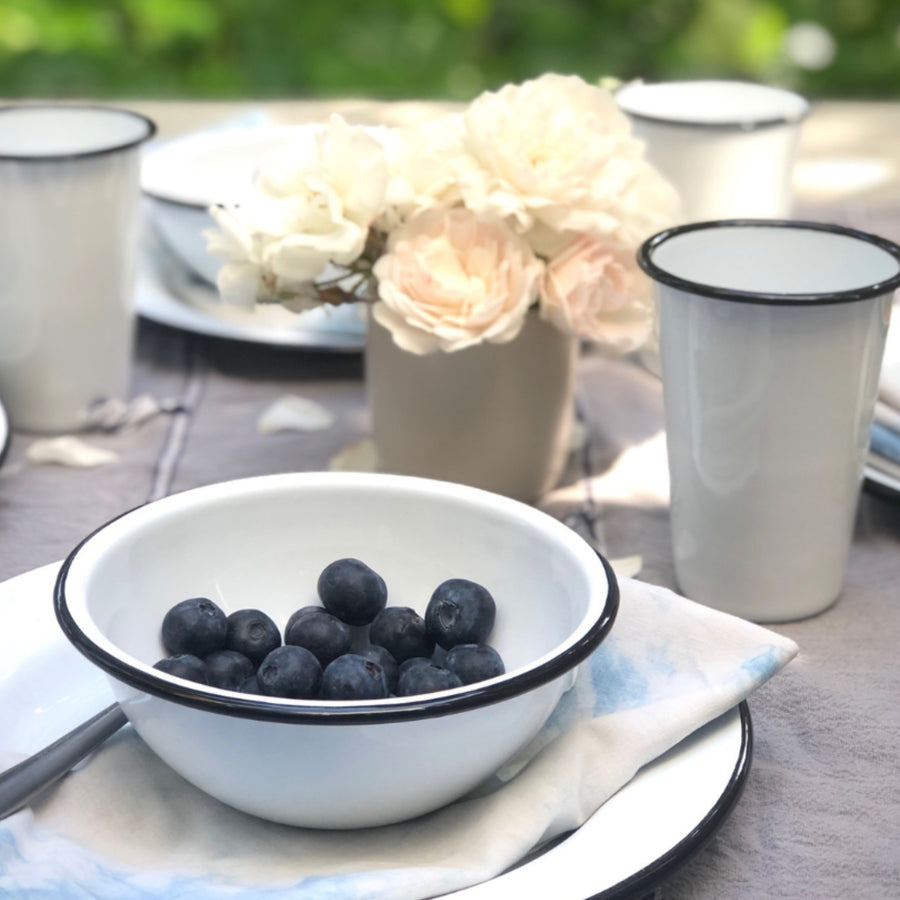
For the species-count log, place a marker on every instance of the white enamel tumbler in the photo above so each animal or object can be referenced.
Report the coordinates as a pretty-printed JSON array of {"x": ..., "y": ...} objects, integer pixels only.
[
  {"x": 771, "y": 341},
  {"x": 69, "y": 219},
  {"x": 728, "y": 147}
]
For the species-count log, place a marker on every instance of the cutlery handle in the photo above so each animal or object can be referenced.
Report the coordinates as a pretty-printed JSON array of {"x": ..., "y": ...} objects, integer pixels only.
[{"x": 23, "y": 781}]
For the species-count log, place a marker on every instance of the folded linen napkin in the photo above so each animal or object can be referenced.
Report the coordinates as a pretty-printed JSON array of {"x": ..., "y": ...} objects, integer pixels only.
[
  {"x": 124, "y": 825},
  {"x": 889, "y": 383},
  {"x": 885, "y": 442},
  {"x": 885, "y": 436}
]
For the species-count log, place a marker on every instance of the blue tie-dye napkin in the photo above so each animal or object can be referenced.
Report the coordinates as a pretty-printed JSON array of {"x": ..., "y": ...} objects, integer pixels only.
[{"x": 125, "y": 827}]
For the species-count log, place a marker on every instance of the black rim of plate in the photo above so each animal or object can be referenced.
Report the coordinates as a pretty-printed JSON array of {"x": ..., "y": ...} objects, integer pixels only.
[
  {"x": 645, "y": 880},
  {"x": 332, "y": 712},
  {"x": 867, "y": 292},
  {"x": 149, "y": 124},
  {"x": 179, "y": 204}
]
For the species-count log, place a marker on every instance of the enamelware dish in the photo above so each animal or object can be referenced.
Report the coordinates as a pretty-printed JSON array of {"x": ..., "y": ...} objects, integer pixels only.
[{"x": 261, "y": 543}]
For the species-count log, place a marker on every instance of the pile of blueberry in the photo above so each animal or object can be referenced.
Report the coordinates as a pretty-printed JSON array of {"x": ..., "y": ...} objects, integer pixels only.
[{"x": 352, "y": 647}]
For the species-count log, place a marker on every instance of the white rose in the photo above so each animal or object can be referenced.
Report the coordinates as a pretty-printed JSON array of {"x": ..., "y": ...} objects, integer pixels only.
[
  {"x": 241, "y": 279},
  {"x": 246, "y": 277},
  {"x": 312, "y": 204},
  {"x": 595, "y": 289},
  {"x": 423, "y": 161},
  {"x": 452, "y": 279},
  {"x": 556, "y": 154}
]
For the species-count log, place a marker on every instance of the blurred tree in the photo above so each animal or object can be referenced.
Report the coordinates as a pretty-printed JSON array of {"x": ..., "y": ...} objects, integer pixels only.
[{"x": 435, "y": 48}]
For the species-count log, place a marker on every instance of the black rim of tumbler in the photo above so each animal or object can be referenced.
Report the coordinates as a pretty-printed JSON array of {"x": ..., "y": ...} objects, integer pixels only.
[
  {"x": 866, "y": 292},
  {"x": 149, "y": 125}
]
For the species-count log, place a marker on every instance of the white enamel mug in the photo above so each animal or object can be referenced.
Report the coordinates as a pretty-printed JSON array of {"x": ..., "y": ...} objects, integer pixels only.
[
  {"x": 728, "y": 147},
  {"x": 69, "y": 219},
  {"x": 771, "y": 339}
]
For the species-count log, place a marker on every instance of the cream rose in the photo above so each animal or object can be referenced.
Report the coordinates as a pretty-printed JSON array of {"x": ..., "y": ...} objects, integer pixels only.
[
  {"x": 556, "y": 155},
  {"x": 454, "y": 278},
  {"x": 594, "y": 289}
]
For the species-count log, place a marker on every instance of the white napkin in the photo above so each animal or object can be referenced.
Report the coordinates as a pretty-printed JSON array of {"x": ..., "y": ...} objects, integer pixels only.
[
  {"x": 889, "y": 382},
  {"x": 889, "y": 385},
  {"x": 125, "y": 825}
]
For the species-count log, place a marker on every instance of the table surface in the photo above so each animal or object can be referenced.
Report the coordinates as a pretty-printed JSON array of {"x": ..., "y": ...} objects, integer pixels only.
[{"x": 820, "y": 815}]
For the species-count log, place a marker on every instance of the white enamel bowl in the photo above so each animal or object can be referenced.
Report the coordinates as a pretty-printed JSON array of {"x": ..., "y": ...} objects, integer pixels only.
[{"x": 262, "y": 542}]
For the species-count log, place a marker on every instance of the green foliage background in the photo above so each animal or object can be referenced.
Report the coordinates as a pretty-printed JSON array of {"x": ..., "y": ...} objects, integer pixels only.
[{"x": 427, "y": 48}]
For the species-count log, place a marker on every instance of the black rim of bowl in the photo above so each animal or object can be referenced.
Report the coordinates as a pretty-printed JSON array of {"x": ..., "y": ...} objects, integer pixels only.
[
  {"x": 149, "y": 124},
  {"x": 867, "y": 292},
  {"x": 333, "y": 712}
]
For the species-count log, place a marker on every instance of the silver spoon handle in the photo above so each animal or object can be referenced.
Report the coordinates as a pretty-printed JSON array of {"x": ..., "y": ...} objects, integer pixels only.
[{"x": 23, "y": 781}]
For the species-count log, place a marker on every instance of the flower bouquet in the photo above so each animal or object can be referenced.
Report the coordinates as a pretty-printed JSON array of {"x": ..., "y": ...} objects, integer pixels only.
[{"x": 529, "y": 204}]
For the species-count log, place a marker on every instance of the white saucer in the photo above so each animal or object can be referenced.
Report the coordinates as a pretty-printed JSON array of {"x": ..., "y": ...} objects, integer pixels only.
[{"x": 642, "y": 834}]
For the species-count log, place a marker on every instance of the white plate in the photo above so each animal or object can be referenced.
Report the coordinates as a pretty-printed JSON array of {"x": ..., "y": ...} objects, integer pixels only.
[
  {"x": 879, "y": 481},
  {"x": 638, "y": 837},
  {"x": 212, "y": 166},
  {"x": 168, "y": 294}
]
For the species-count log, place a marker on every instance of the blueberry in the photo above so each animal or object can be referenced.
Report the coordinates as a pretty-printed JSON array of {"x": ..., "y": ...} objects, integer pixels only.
[
  {"x": 413, "y": 661},
  {"x": 352, "y": 591},
  {"x": 401, "y": 631},
  {"x": 326, "y": 636},
  {"x": 249, "y": 686},
  {"x": 474, "y": 662},
  {"x": 184, "y": 665},
  {"x": 196, "y": 626},
  {"x": 385, "y": 660},
  {"x": 460, "y": 612},
  {"x": 426, "y": 678},
  {"x": 228, "y": 669},
  {"x": 252, "y": 633},
  {"x": 304, "y": 611},
  {"x": 353, "y": 677},
  {"x": 289, "y": 671}
]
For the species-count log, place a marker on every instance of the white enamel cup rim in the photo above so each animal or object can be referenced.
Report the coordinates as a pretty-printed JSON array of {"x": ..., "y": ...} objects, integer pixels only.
[
  {"x": 765, "y": 106},
  {"x": 866, "y": 291},
  {"x": 144, "y": 129}
]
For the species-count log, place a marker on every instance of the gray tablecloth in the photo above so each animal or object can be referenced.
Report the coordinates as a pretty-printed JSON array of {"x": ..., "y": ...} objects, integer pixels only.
[{"x": 820, "y": 815}]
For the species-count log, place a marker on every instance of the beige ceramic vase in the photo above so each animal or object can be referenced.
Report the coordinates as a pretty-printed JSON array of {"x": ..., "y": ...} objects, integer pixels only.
[{"x": 493, "y": 416}]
